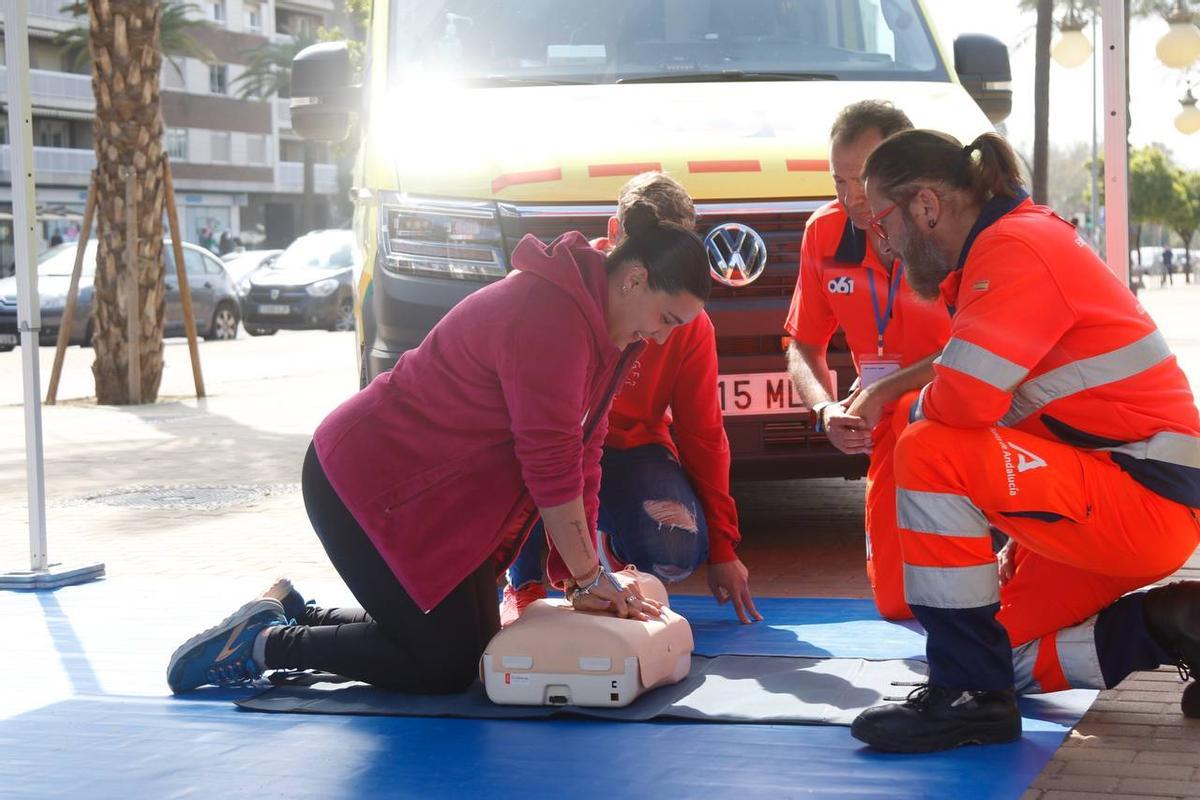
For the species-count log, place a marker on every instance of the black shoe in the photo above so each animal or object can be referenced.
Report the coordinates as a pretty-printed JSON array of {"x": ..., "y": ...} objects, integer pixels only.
[
  {"x": 1173, "y": 616},
  {"x": 938, "y": 718}
]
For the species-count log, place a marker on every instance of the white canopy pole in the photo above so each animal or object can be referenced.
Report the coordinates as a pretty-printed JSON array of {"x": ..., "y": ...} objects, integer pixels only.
[
  {"x": 1116, "y": 134},
  {"x": 29, "y": 318}
]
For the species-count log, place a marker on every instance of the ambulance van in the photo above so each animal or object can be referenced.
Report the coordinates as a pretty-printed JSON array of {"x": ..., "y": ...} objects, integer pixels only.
[{"x": 480, "y": 121}]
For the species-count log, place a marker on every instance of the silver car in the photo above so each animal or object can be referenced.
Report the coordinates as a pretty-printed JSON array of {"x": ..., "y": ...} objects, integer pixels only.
[{"x": 214, "y": 296}]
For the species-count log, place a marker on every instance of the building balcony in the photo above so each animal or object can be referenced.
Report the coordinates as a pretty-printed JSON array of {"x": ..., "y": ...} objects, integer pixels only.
[
  {"x": 53, "y": 166},
  {"x": 60, "y": 90},
  {"x": 283, "y": 113},
  {"x": 289, "y": 177},
  {"x": 48, "y": 15}
]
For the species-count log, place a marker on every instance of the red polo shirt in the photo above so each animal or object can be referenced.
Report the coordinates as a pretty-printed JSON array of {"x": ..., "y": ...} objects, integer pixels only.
[{"x": 834, "y": 290}]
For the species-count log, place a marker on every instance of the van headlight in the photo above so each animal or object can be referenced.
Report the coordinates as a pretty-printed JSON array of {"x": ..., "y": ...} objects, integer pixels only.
[
  {"x": 322, "y": 288},
  {"x": 441, "y": 238}
]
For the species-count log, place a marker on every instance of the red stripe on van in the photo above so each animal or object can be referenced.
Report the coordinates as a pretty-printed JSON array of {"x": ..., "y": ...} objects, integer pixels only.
[
  {"x": 515, "y": 178},
  {"x": 749, "y": 165},
  {"x": 613, "y": 170},
  {"x": 807, "y": 165}
]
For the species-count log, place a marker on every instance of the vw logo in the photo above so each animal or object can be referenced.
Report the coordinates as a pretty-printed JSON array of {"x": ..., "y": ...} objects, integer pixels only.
[
  {"x": 274, "y": 294},
  {"x": 737, "y": 255}
]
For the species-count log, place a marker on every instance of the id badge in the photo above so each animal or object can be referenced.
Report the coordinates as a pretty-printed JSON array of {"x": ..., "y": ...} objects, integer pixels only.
[{"x": 872, "y": 368}]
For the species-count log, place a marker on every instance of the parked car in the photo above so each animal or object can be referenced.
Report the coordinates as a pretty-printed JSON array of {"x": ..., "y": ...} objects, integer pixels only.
[
  {"x": 214, "y": 296},
  {"x": 310, "y": 286}
]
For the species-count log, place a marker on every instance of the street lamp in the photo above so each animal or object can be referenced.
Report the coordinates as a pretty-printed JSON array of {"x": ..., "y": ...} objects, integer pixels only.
[
  {"x": 1188, "y": 121},
  {"x": 1180, "y": 46},
  {"x": 1072, "y": 47}
]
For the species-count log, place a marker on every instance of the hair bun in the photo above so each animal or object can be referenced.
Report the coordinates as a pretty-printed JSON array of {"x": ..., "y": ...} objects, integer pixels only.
[{"x": 640, "y": 218}]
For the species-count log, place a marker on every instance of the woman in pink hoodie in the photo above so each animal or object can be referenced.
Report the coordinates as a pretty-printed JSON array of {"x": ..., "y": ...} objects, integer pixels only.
[{"x": 423, "y": 485}]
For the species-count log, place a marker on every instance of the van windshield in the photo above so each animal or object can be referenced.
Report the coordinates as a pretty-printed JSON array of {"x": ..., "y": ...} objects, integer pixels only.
[{"x": 520, "y": 42}]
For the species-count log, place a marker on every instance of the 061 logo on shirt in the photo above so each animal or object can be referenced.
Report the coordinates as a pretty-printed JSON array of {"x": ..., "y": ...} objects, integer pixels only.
[{"x": 841, "y": 285}]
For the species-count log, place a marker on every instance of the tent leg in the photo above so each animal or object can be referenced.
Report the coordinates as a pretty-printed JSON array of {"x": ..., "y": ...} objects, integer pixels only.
[{"x": 41, "y": 573}]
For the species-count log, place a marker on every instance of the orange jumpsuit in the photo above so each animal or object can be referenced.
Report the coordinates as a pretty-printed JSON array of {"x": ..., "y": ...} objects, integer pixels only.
[
  {"x": 1059, "y": 416},
  {"x": 838, "y": 272}
]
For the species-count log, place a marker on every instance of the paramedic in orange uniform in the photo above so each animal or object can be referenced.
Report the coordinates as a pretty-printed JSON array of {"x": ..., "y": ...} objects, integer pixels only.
[
  {"x": 665, "y": 505},
  {"x": 844, "y": 282},
  {"x": 1058, "y": 415}
]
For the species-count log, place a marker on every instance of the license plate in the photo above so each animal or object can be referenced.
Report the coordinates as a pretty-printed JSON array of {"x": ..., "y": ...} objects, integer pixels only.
[
  {"x": 9, "y": 338},
  {"x": 274, "y": 309},
  {"x": 759, "y": 393}
]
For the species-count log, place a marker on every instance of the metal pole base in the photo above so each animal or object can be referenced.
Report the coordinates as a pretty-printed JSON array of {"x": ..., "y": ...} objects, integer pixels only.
[{"x": 53, "y": 577}]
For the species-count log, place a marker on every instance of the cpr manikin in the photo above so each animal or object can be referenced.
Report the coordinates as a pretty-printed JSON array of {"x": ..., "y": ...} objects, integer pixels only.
[{"x": 557, "y": 655}]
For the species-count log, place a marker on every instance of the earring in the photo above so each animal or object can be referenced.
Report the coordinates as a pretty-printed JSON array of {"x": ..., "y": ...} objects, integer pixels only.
[
  {"x": 932, "y": 223},
  {"x": 625, "y": 289}
]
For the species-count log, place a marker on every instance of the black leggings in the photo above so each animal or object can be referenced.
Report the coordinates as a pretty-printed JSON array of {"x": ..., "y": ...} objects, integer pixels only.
[{"x": 388, "y": 642}]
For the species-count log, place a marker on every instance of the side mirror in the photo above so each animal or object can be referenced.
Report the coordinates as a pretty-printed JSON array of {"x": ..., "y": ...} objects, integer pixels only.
[
  {"x": 323, "y": 97},
  {"x": 982, "y": 66}
]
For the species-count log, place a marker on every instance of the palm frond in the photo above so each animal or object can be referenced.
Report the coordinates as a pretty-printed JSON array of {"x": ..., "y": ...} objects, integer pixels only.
[
  {"x": 269, "y": 68},
  {"x": 178, "y": 25}
]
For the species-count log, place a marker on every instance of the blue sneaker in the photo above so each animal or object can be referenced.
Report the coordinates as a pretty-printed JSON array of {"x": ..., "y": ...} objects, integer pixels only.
[{"x": 221, "y": 656}]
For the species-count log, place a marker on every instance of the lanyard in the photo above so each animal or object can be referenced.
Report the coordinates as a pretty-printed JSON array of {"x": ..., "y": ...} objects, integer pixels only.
[{"x": 881, "y": 320}]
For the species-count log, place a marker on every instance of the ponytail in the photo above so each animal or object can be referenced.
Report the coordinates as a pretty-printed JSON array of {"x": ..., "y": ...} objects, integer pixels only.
[
  {"x": 993, "y": 172},
  {"x": 673, "y": 256},
  {"x": 910, "y": 160}
]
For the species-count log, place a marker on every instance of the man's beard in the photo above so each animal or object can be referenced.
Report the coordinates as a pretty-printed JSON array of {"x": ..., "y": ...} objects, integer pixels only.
[{"x": 924, "y": 266}]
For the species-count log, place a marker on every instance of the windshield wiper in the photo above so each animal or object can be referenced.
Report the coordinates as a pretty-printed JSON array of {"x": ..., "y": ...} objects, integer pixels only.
[
  {"x": 508, "y": 80},
  {"x": 730, "y": 75}
]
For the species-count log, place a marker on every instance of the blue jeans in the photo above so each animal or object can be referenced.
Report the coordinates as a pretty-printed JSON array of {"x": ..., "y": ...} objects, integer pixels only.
[{"x": 649, "y": 517}]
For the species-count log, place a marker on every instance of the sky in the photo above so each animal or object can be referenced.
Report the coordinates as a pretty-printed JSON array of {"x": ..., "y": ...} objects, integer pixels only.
[{"x": 1156, "y": 88}]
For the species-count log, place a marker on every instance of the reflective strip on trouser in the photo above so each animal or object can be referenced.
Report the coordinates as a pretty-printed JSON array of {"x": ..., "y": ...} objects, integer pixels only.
[
  {"x": 1088, "y": 533},
  {"x": 982, "y": 364},
  {"x": 1067, "y": 659},
  {"x": 1086, "y": 373}
]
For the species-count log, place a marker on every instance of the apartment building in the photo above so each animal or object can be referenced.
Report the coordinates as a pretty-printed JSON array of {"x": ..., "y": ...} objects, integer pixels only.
[{"x": 237, "y": 165}]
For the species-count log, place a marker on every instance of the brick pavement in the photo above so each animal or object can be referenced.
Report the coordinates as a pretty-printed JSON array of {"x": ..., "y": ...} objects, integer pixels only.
[{"x": 266, "y": 395}]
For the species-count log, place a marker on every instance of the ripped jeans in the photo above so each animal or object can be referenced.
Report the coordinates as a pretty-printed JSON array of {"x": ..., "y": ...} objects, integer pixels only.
[{"x": 649, "y": 517}]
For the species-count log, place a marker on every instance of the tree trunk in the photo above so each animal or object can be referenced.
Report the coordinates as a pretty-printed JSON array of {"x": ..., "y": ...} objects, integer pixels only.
[
  {"x": 1041, "y": 100},
  {"x": 308, "y": 202},
  {"x": 128, "y": 129}
]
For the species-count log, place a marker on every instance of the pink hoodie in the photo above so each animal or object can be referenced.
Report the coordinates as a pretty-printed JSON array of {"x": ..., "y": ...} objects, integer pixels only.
[{"x": 443, "y": 459}]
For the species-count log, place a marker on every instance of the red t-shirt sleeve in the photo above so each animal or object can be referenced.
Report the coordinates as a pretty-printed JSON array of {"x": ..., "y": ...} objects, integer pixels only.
[{"x": 699, "y": 435}]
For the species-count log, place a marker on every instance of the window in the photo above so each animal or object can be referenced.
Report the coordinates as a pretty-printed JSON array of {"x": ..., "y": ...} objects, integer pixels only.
[
  {"x": 177, "y": 144},
  {"x": 220, "y": 147},
  {"x": 174, "y": 74},
  {"x": 193, "y": 262},
  {"x": 256, "y": 150},
  {"x": 218, "y": 79},
  {"x": 253, "y": 16},
  {"x": 218, "y": 12}
]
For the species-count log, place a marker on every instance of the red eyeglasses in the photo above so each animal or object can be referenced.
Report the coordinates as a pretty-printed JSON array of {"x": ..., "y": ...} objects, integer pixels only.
[{"x": 874, "y": 222}]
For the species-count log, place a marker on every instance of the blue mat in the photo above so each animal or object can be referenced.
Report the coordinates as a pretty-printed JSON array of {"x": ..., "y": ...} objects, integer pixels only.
[{"x": 86, "y": 713}]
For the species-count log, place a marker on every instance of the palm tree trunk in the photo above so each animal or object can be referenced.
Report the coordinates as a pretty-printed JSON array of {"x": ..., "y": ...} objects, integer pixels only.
[
  {"x": 128, "y": 131},
  {"x": 1041, "y": 100}
]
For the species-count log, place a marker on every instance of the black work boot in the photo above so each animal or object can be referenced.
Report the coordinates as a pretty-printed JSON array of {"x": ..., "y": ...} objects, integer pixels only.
[
  {"x": 1173, "y": 616},
  {"x": 939, "y": 718}
]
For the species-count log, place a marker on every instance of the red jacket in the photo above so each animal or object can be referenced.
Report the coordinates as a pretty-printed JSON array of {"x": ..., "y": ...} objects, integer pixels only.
[
  {"x": 441, "y": 459},
  {"x": 675, "y": 383},
  {"x": 834, "y": 289},
  {"x": 1046, "y": 339}
]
